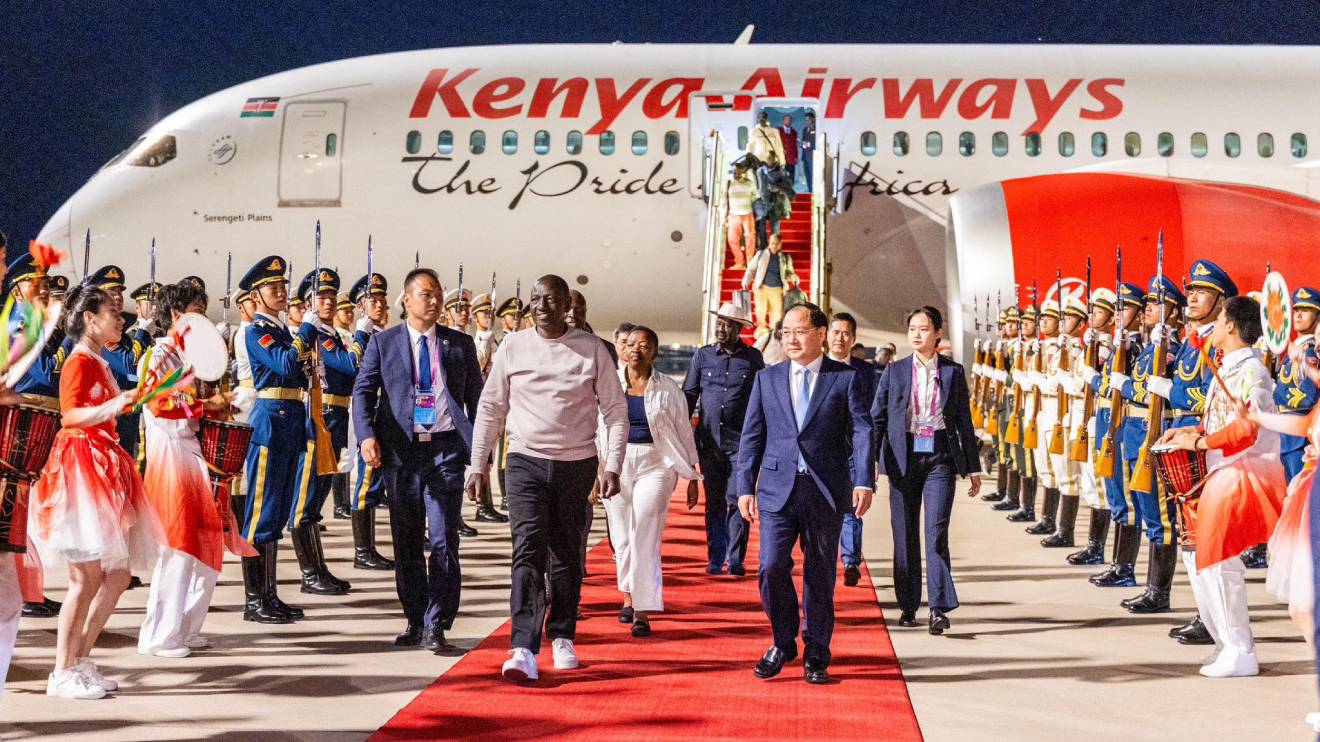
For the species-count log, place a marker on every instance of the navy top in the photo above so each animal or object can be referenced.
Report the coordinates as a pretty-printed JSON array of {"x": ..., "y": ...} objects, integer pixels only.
[
  {"x": 717, "y": 386},
  {"x": 639, "y": 430},
  {"x": 773, "y": 277}
]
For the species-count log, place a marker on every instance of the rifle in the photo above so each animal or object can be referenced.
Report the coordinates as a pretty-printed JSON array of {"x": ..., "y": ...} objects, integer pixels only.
[
  {"x": 1143, "y": 474},
  {"x": 1063, "y": 364},
  {"x": 151, "y": 278},
  {"x": 326, "y": 460},
  {"x": 87, "y": 254},
  {"x": 977, "y": 358},
  {"x": 1031, "y": 437},
  {"x": 1014, "y": 433},
  {"x": 1104, "y": 464},
  {"x": 997, "y": 388},
  {"x": 1081, "y": 447}
]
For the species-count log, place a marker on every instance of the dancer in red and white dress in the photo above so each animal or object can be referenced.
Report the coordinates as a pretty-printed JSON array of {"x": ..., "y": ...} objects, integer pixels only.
[
  {"x": 180, "y": 491},
  {"x": 88, "y": 508},
  {"x": 1243, "y": 494}
]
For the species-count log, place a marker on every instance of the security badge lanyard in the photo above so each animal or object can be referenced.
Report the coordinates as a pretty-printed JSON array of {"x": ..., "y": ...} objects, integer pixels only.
[
  {"x": 923, "y": 440},
  {"x": 424, "y": 413}
]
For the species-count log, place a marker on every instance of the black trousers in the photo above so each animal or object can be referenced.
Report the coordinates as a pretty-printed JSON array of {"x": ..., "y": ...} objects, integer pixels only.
[{"x": 547, "y": 506}]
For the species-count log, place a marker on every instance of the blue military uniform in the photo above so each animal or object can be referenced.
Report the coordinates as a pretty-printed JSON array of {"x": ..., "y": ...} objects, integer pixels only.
[
  {"x": 1294, "y": 392},
  {"x": 717, "y": 387},
  {"x": 369, "y": 487}
]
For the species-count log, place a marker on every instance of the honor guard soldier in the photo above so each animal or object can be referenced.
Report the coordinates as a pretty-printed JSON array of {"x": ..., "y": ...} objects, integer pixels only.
[
  {"x": 1131, "y": 300},
  {"x": 333, "y": 370},
  {"x": 27, "y": 282},
  {"x": 143, "y": 332},
  {"x": 297, "y": 310},
  {"x": 1090, "y": 421},
  {"x": 1208, "y": 289},
  {"x": 370, "y": 294},
  {"x": 123, "y": 360},
  {"x": 1154, "y": 511},
  {"x": 1010, "y": 478},
  {"x": 458, "y": 309},
  {"x": 1068, "y": 406},
  {"x": 59, "y": 286},
  {"x": 1043, "y": 379},
  {"x": 509, "y": 314},
  {"x": 994, "y": 364},
  {"x": 1294, "y": 392},
  {"x": 1024, "y": 458},
  {"x": 279, "y": 434},
  {"x": 483, "y": 316}
]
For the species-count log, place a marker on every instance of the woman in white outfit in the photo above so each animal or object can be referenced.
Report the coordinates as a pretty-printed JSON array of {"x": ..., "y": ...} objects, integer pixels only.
[{"x": 660, "y": 450}]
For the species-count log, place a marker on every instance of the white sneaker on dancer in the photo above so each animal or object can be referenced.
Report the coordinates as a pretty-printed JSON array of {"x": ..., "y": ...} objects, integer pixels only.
[
  {"x": 173, "y": 653},
  {"x": 521, "y": 665},
  {"x": 564, "y": 653},
  {"x": 72, "y": 683},
  {"x": 1209, "y": 659},
  {"x": 1232, "y": 664},
  {"x": 93, "y": 673},
  {"x": 197, "y": 641}
]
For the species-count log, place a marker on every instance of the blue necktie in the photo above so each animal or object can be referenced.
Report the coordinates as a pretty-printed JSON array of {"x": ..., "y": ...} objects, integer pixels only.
[
  {"x": 424, "y": 380},
  {"x": 800, "y": 411}
]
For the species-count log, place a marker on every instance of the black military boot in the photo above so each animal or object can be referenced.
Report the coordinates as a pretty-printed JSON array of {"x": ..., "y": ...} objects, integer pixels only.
[
  {"x": 1122, "y": 573},
  {"x": 1011, "y": 501},
  {"x": 1094, "y": 553},
  {"x": 465, "y": 530},
  {"x": 1159, "y": 581},
  {"x": 1255, "y": 557},
  {"x": 1045, "y": 525},
  {"x": 365, "y": 555},
  {"x": 1192, "y": 632},
  {"x": 270, "y": 553},
  {"x": 316, "y": 577},
  {"x": 1001, "y": 486},
  {"x": 1026, "y": 511},
  {"x": 339, "y": 488},
  {"x": 256, "y": 605},
  {"x": 486, "y": 512},
  {"x": 1063, "y": 532}
]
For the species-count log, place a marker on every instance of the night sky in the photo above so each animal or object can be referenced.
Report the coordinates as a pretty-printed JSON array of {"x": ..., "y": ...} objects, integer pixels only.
[{"x": 79, "y": 81}]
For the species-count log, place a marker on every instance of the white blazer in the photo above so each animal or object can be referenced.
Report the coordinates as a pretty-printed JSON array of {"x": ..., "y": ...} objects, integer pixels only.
[{"x": 671, "y": 427}]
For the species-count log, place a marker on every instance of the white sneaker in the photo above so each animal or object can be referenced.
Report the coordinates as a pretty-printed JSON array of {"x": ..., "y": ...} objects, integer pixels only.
[
  {"x": 93, "y": 674},
  {"x": 521, "y": 665},
  {"x": 197, "y": 641},
  {"x": 1209, "y": 659},
  {"x": 71, "y": 683},
  {"x": 1313, "y": 719},
  {"x": 564, "y": 653},
  {"x": 1232, "y": 664},
  {"x": 173, "y": 652}
]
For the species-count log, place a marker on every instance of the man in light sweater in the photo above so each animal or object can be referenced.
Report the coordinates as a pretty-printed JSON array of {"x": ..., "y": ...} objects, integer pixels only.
[{"x": 547, "y": 385}]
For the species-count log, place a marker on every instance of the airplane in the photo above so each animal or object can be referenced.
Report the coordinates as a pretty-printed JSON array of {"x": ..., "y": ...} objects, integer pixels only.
[{"x": 944, "y": 173}]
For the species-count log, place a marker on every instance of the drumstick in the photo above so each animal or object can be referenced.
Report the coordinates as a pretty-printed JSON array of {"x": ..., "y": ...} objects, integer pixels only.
[{"x": 1205, "y": 354}]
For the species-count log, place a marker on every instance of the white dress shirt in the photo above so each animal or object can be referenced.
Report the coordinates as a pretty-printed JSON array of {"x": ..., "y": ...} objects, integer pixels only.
[
  {"x": 926, "y": 394},
  {"x": 443, "y": 423},
  {"x": 796, "y": 370}
]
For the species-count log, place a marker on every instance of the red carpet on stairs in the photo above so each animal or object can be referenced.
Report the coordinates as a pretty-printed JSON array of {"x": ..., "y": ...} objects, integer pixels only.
[
  {"x": 691, "y": 680},
  {"x": 795, "y": 234}
]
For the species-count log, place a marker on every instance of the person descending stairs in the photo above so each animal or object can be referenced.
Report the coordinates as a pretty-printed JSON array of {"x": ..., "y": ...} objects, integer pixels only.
[{"x": 795, "y": 233}]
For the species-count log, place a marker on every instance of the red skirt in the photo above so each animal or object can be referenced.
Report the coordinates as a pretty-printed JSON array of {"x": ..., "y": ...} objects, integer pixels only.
[{"x": 1238, "y": 508}]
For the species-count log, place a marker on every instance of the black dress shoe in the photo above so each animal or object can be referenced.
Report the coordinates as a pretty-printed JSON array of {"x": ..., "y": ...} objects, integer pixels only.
[
  {"x": 938, "y": 621},
  {"x": 1153, "y": 600},
  {"x": 39, "y": 610},
  {"x": 907, "y": 619},
  {"x": 1255, "y": 557},
  {"x": 465, "y": 530},
  {"x": 433, "y": 640},
  {"x": 1192, "y": 625},
  {"x": 626, "y": 615},
  {"x": 1057, "y": 540},
  {"x": 772, "y": 662},
  {"x": 815, "y": 671},
  {"x": 1196, "y": 635},
  {"x": 491, "y": 515},
  {"x": 993, "y": 496},
  {"x": 1042, "y": 527},
  {"x": 411, "y": 636},
  {"x": 852, "y": 574},
  {"x": 1006, "y": 504},
  {"x": 737, "y": 570},
  {"x": 134, "y": 581},
  {"x": 641, "y": 628},
  {"x": 1021, "y": 516},
  {"x": 1118, "y": 575}
]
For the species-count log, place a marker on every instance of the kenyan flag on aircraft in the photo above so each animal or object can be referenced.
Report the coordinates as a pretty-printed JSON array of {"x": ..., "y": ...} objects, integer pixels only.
[{"x": 259, "y": 108}]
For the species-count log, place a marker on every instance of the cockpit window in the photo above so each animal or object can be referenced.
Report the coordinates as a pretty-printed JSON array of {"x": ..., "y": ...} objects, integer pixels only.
[
  {"x": 159, "y": 151},
  {"x": 120, "y": 157}
]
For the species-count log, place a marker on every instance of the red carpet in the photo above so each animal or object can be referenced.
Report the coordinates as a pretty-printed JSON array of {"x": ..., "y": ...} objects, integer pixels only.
[{"x": 691, "y": 680}]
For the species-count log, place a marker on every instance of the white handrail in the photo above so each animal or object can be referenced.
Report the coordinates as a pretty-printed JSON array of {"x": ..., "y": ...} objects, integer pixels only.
[
  {"x": 822, "y": 187},
  {"x": 713, "y": 263}
]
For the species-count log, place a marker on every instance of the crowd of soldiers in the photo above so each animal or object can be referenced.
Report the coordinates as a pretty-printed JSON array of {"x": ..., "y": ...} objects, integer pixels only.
[{"x": 1073, "y": 394}]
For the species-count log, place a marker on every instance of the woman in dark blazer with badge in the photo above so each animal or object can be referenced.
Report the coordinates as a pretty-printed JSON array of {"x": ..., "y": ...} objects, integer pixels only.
[{"x": 923, "y": 422}]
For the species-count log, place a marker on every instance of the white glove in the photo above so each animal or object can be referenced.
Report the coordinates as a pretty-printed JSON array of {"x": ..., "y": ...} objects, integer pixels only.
[
  {"x": 1160, "y": 386},
  {"x": 1089, "y": 374},
  {"x": 1157, "y": 333},
  {"x": 365, "y": 325},
  {"x": 146, "y": 323},
  {"x": 244, "y": 398},
  {"x": 1000, "y": 376},
  {"x": 314, "y": 321},
  {"x": 224, "y": 328},
  {"x": 1089, "y": 336},
  {"x": 977, "y": 369},
  {"x": 1118, "y": 381}
]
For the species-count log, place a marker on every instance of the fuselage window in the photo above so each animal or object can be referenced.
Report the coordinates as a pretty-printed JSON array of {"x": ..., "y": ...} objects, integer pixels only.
[
  {"x": 999, "y": 143},
  {"x": 1265, "y": 145},
  {"x": 967, "y": 144},
  {"x": 541, "y": 142},
  {"x": 1099, "y": 144},
  {"x": 477, "y": 142},
  {"x": 1200, "y": 145},
  {"x": 1033, "y": 144},
  {"x": 868, "y": 143},
  {"x": 574, "y": 145},
  {"x": 902, "y": 143},
  {"x": 639, "y": 142},
  {"x": 414, "y": 142},
  {"x": 934, "y": 143},
  {"x": 671, "y": 143},
  {"x": 607, "y": 142},
  {"x": 1232, "y": 144},
  {"x": 1299, "y": 145},
  {"x": 509, "y": 142},
  {"x": 445, "y": 143},
  {"x": 742, "y": 138},
  {"x": 1164, "y": 144},
  {"x": 1067, "y": 145},
  {"x": 331, "y": 144},
  {"x": 1132, "y": 144}
]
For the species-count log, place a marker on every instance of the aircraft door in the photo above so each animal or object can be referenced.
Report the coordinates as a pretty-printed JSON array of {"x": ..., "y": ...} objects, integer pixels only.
[
  {"x": 311, "y": 154},
  {"x": 710, "y": 112}
]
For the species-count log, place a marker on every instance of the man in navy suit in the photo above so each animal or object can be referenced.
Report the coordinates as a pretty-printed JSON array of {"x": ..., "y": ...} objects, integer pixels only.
[
  {"x": 413, "y": 402},
  {"x": 805, "y": 458}
]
